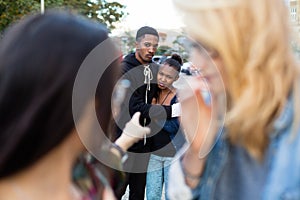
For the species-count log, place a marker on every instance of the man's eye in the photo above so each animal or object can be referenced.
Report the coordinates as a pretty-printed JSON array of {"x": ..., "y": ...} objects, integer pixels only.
[{"x": 147, "y": 45}]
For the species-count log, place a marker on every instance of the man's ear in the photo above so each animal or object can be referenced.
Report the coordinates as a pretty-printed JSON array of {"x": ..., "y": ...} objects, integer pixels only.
[{"x": 137, "y": 46}]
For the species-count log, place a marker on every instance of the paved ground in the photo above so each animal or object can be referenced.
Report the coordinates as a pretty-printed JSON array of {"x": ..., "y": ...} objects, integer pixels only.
[{"x": 125, "y": 197}]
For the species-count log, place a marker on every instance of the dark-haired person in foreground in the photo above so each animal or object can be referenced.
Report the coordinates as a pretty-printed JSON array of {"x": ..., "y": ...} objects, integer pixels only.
[{"x": 40, "y": 58}]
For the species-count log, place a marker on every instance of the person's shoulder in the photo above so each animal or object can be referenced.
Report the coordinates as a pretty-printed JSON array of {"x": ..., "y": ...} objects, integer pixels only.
[
  {"x": 127, "y": 57},
  {"x": 174, "y": 99},
  {"x": 129, "y": 62},
  {"x": 154, "y": 66}
]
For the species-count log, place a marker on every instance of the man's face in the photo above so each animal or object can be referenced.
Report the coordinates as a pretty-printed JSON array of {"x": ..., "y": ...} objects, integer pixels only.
[{"x": 146, "y": 48}]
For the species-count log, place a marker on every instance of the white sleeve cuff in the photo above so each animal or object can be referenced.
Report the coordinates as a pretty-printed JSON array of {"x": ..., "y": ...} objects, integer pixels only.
[{"x": 176, "y": 110}]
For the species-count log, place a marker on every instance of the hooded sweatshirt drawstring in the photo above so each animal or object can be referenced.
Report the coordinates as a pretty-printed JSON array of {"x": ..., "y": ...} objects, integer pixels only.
[{"x": 148, "y": 77}]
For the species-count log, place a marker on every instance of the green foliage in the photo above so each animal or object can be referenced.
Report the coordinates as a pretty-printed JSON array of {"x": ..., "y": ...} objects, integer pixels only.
[
  {"x": 181, "y": 47},
  {"x": 296, "y": 48},
  {"x": 164, "y": 50},
  {"x": 10, "y": 11},
  {"x": 100, "y": 10},
  {"x": 129, "y": 42}
]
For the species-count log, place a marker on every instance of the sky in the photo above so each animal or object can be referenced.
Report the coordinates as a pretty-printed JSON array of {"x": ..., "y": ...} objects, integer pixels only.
[{"x": 160, "y": 14}]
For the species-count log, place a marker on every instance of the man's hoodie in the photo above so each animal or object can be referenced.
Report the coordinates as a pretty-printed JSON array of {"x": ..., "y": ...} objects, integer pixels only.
[{"x": 135, "y": 99}]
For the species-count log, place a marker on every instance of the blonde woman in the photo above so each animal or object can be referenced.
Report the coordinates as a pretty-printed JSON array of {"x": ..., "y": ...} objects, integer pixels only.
[{"x": 247, "y": 45}]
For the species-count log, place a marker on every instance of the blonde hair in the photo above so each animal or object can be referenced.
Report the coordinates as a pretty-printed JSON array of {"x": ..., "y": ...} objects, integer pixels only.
[{"x": 252, "y": 38}]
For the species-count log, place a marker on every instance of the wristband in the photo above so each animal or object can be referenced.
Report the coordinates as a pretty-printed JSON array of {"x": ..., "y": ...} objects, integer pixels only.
[
  {"x": 190, "y": 176},
  {"x": 176, "y": 110},
  {"x": 187, "y": 174},
  {"x": 122, "y": 153}
]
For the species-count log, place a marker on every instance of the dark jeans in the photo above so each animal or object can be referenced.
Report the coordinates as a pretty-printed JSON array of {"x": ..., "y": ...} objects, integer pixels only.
[
  {"x": 137, "y": 184},
  {"x": 136, "y": 167}
]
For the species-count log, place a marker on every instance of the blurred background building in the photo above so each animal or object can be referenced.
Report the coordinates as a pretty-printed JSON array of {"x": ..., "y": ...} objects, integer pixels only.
[{"x": 294, "y": 8}]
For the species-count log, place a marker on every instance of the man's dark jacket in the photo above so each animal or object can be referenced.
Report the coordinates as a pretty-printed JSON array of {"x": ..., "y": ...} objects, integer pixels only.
[{"x": 135, "y": 99}]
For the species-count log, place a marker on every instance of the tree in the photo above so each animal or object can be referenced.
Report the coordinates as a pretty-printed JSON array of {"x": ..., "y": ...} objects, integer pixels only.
[
  {"x": 181, "y": 46},
  {"x": 100, "y": 10},
  {"x": 128, "y": 42},
  {"x": 164, "y": 50}
]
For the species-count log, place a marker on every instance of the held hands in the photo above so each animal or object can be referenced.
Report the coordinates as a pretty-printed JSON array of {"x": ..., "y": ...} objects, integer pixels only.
[{"x": 132, "y": 132}]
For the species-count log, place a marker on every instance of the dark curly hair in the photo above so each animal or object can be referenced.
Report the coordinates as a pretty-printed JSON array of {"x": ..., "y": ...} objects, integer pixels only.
[{"x": 175, "y": 61}]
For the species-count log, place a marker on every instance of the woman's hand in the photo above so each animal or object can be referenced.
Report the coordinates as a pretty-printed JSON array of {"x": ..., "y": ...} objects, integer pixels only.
[{"x": 198, "y": 126}]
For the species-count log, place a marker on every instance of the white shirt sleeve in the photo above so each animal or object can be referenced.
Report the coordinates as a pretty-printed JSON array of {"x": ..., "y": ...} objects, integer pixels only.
[
  {"x": 177, "y": 188},
  {"x": 176, "y": 110}
]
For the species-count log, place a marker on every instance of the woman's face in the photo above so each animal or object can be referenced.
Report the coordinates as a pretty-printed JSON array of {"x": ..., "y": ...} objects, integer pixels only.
[
  {"x": 202, "y": 97},
  {"x": 210, "y": 67},
  {"x": 166, "y": 76}
]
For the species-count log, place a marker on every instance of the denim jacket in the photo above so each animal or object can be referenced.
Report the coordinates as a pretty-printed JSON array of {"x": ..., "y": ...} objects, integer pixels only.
[{"x": 283, "y": 164}]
